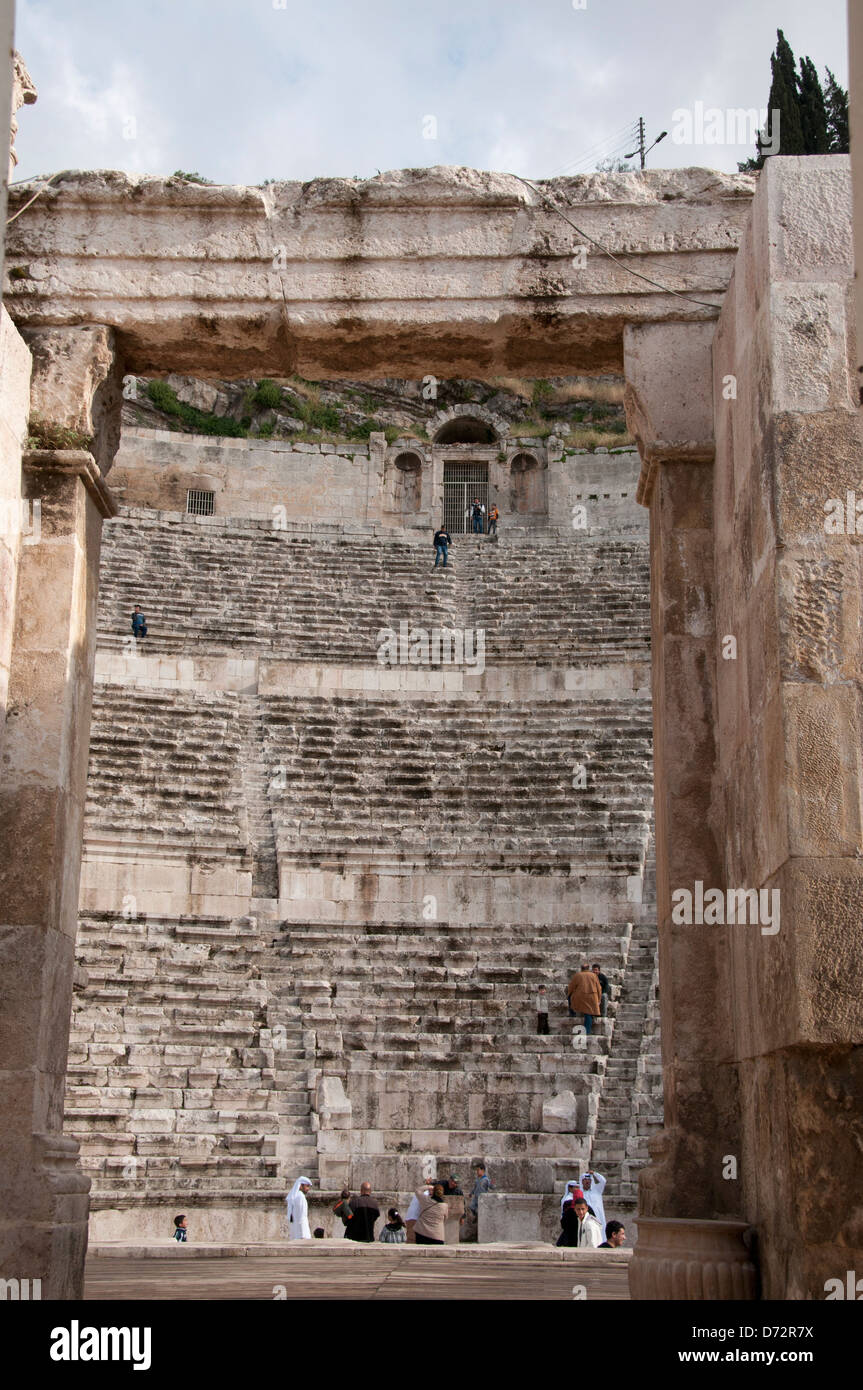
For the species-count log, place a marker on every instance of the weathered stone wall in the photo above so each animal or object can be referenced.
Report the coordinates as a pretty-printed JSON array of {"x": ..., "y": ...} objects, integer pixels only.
[
  {"x": 250, "y": 477},
  {"x": 280, "y": 481},
  {"x": 790, "y": 769}
]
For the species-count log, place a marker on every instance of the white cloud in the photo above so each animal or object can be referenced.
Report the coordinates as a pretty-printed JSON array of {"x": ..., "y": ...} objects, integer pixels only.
[{"x": 243, "y": 92}]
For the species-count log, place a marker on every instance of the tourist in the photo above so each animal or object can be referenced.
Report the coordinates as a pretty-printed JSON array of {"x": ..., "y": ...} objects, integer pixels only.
[
  {"x": 442, "y": 542},
  {"x": 589, "y": 1229},
  {"x": 572, "y": 1191},
  {"x": 139, "y": 623},
  {"x": 412, "y": 1217},
  {"x": 492, "y": 520},
  {"x": 431, "y": 1223},
  {"x": 451, "y": 1187},
  {"x": 362, "y": 1224},
  {"x": 593, "y": 1186},
  {"x": 395, "y": 1231},
  {"x": 604, "y": 986},
  {"x": 477, "y": 513},
  {"x": 585, "y": 996},
  {"x": 482, "y": 1183},
  {"x": 319, "y": 1233},
  {"x": 180, "y": 1229},
  {"x": 569, "y": 1226},
  {"x": 542, "y": 1011},
  {"x": 615, "y": 1236},
  {"x": 298, "y": 1210},
  {"x": 343, "y": 1209}
]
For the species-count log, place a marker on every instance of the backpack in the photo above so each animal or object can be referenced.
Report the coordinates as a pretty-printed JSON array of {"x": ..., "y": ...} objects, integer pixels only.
[{"x": 343, "y": 1209}]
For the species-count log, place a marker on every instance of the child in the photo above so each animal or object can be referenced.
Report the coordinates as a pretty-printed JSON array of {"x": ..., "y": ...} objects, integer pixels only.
[
  {"x": 542, "y": 1011},
  {"x": 395, "y": 1231},
  {"x": 319, "y": 1233},
  {"x": 343, "y": 1206},
  {"x": 180, "y": 1228}
]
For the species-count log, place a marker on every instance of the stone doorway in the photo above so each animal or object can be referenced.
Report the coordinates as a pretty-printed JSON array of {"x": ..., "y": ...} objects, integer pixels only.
[{"x": 462, "y": 482}]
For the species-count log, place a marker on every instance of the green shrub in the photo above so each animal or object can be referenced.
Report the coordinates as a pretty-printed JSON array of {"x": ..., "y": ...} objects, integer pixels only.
[
  {"x": 191, "y": 178},
  {"x": 265, "y": 431},
  {"x": 267, "y": 395},
  {"x": 542, "y": 392},
  {"x": 42, "y": 434},
  {"x": 319, "y": 417},
  {"x": 164, "y": 398},
  {"x": 364, "y": 429}
]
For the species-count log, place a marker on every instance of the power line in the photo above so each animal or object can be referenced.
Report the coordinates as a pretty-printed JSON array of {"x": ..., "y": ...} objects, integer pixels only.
[
  {"x": 702, "y": 304},
  {"x": 600, "y": 149}
]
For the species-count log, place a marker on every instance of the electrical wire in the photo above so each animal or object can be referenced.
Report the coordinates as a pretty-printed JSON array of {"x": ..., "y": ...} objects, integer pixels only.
[
  {"x": 31, "y": 200},
  {"x": 702, "y": 304},
  {"x": 619, "y": 140}
]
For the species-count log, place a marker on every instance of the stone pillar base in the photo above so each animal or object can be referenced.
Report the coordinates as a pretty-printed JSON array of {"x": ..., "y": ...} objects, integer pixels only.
[{"x": 679, "y": 1259}]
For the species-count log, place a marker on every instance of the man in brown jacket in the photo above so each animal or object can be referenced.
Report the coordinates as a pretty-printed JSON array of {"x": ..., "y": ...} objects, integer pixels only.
[{"x": 585, "y": 996}]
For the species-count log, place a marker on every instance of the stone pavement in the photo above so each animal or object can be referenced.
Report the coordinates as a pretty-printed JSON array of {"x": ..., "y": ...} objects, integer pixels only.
[{"x": 328, "y": 1270}]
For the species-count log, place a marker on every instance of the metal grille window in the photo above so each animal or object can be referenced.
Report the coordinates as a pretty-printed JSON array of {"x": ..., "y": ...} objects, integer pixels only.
[
  {"x": 462, "y": 482},
  {"x": 200, "y": 503}
]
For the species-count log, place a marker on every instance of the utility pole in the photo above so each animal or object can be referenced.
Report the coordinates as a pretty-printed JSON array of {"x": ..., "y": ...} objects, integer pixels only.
[{"x": 640, "y": 147}]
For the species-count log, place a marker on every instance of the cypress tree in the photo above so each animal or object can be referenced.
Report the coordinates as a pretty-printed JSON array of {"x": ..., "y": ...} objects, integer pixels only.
[
  {"x": 836, "y": 101},
  {"x": 813, "y": 113},
  {"x": 785, "y": 99}
]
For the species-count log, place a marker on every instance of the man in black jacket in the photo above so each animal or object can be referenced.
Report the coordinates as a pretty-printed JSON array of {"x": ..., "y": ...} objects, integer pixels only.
[
  {"x": 442, "y": 542},
  {"x": 362, "y": 1224}
]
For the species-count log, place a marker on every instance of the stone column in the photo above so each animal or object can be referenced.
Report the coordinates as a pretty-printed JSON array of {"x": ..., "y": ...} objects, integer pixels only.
[
  {"x": 43, "y": 1228},
  {"x": 669, "y": 408}
]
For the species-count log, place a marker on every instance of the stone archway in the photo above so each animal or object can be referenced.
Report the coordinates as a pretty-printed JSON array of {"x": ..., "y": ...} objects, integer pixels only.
[{"x": 758, "y": 754}]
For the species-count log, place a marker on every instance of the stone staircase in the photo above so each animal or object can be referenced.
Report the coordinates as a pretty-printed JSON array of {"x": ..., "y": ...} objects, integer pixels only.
[{"x": 631, "y": 1106}]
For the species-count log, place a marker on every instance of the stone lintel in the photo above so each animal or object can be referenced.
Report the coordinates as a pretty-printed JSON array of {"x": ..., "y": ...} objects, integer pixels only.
[{"x": 442, "y": 271}]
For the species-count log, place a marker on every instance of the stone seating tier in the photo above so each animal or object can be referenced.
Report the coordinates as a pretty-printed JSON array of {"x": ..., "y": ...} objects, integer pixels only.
[
  {"x": 315, "y": 597},
  {"x": 313, "y": 777}
]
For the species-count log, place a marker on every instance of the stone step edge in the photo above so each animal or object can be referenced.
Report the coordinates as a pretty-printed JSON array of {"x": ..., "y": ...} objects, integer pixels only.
[{"x": 512, "y": 1251}]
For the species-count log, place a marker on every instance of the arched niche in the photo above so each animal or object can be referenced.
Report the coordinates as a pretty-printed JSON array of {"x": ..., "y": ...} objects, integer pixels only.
[
  {"x": 527, "y": 483},
  {"x": 407, "y": 482},
  {"x": 466, "y": 429}
]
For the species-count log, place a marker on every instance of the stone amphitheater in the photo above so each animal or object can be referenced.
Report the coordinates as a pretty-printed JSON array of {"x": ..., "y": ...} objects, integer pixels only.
[{"x": 319, "y": 893}]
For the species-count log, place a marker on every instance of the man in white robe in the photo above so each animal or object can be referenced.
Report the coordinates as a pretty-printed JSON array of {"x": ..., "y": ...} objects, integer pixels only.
[
  {"x": 593, "y": 1185},
  {"x": 298, "y": 1210}
]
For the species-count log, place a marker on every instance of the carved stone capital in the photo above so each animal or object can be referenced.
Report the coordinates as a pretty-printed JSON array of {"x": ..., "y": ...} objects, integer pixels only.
[{"x": 692, "y": 1260}]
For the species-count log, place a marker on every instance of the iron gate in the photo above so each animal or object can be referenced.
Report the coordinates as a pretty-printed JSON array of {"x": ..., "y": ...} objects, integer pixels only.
[{"x": 462, "y": 482}]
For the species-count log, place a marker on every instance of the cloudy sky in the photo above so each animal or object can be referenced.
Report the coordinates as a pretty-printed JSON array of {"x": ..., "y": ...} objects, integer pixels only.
[{"x": 245, "y": 90}]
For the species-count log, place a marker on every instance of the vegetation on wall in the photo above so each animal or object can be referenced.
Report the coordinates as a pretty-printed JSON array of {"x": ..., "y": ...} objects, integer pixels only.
[{"x": 164, "y": 398}]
